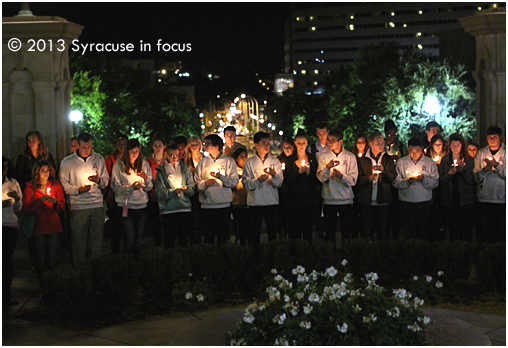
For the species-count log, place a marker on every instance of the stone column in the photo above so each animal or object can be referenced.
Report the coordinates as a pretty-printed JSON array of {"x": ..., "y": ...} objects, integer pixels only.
[
  {"x": 36, "y": 84},
  {"x": 489, "y": 29}
]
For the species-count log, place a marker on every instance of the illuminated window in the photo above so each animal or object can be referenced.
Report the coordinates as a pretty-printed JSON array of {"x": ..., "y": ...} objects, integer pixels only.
[
  {"x": 479, "y": 8},
  {"x": 405, "y": 25},
  {"x": 315, "y": 83},
  {"x": 352, "y": 16},
  {"x": 297, "y": 19},
  {"x": 392, "y": 24},
  {"x": 311, "y": 18},
  {"x": 304, "y": 72},
  {"x": 294, "y": 72},
  {"x": 316, "y": 72},
  {"x": 418, "y": 34},
  {"x": 313, "y": 28},
  {"x": 351, "y": 27},
  {"x": 420, "y": 46},
  {"x": 299, "y": 62},
  {"x": 494, "y": 6},
  {"x": 420, "y": 12},
  {"x": 393, "y": 13}
]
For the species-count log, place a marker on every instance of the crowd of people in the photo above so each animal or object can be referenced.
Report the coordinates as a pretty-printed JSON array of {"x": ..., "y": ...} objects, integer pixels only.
[{"x": 189, "y": 191}]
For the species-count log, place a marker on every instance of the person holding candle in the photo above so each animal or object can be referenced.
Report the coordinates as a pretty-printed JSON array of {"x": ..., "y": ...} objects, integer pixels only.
[
  {"x": 490, "y": 173},
  {"x": 174, "y": 186},
  {"x": 472, "y": 147},
  {"x": 193, "y": 154},
  {"x": 436, "y": 151},
  {"x": 359, "y": 150},
  {"x": 113, "y": 224},
  {"x": 215, "y": 177},
  {"x": 417, "y": 176},
  {"x": 338, "y": 171},
  {"x": 11, "y": 204},
  {"x": 457, "y": 185},
  {"x": 262, "y": 176},
  {"x": 131, "y": 180},
  {"x": 288, "y": 148},
  {"x": 394, "y": 148},
  {"x": 44, "y": 198},
  {"x": 360, "y": 146},
  {"x": 376, "y": 172},
  {"x": 300, "y": 178},
  {"x": 239, "y": 207},
  {"x": 155, "y": 159},
  {"x": 83, "y": 176}
]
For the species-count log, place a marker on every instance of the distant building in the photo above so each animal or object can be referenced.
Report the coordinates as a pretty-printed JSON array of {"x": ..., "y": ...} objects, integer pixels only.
[
  {"x": 322, "y": 36},
  {"x": 283, "y": 82}
]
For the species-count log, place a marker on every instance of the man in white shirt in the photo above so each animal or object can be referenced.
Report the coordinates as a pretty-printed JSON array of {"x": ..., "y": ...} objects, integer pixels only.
[
  {"x": 262, "y": 176},
  {"x": 83, "y": 176},
  {"x": 490, "y": 173},
  {"x": 338, "y": 171},
  {"x": 417, "y": 176},
  {"x": 215, "y": 177}
]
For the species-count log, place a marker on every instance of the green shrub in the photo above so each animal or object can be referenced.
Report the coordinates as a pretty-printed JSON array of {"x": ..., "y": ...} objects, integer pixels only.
[
  {"x": 193, "y": 295},
  {"x": 69, "y": 292},
  {"x": 330, "y": 309},
  {"x": 158, "y": 277},
  {"x": 455, "y": 259},
  {"x": 491, "y": 267},
  {"x": 117, "y": 278}
]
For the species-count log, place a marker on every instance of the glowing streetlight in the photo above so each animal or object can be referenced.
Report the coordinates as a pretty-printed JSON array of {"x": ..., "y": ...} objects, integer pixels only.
[{"x": 76, "y": 116}]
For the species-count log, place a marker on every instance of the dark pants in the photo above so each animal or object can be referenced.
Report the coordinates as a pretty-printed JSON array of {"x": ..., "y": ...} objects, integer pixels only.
[
  {"x": 345, "y": 214},
  {"x": 269, "y": 213},
  {"x": 300, "y": 223},
  {"x": 177, "y": 226},
  {"x": 9, "y": 239},
  {"x": 460, "y": 222},
  {"x": 283, "y": 219},
  {"x": 45, "y": 246},
  {"x": 216, "y": 224},
  {"x": 153, "y": 222},
  {"x": 394, "y": 215},
  {"x": 196, "y": 220},
  {"x": 115, "y": 227},
  {"x": 375, "y": 218},
  {"x": 415, "y": 218},
  {"x": 493, "y": 225},
  {"x": 133, "y": 226},
  {"x": 243, "y": 224}
]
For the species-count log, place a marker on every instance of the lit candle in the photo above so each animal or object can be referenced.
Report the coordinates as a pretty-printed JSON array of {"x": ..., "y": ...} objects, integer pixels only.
[
  {"x": 416, "y": 173},
  {"x": 397, "y": 153},
  {"x": 454, "y": 163},
  {"x": 436, "y": 158},
  {"x": 360, "y": 154},
  {"x": 303, "y": 163},
  {"x": 283, "y": 166},
  {"x": 48, "y": 191},
  {"x": 490, "y": 158}
]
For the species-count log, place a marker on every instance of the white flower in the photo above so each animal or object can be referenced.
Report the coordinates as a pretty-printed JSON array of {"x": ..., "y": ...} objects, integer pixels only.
[
  {"x": 249, "y": 318},
  {"x": 305, "y": 324},
  {"x": 274, "y": 271},
  {"x": 286, "y": 298},
  {"x": 426, "y": 320},
  {"x": 190, "y": 274},
  {"x": 294, "y": 311},
  {"x": 331, "y": 272},
  {"x": 307, "y": 309},
  {"x": 281, "y": 342},
  {"x": 428, "y": 279},
  {"x": 188, "y": 296},
  {"x": 343, "y": 263},
  {"x": 439, "y": 284},
  {"x": 313, "y": 297},
  {"x": 348, "y": 278},
  {"x": 415, "y": 278},
  {"x": 342, "y": 329},
  {"x": 279, "y": 318},
  {"x": 200, "y": 298},
  {"x": 302, "y": 278},
  {"x": 357, "y": 308},
  {"x": 278, "y": 278},
  {"x": 440, "y": 273},
  {"x": 299, "y": 295},
  {"x": 414, "y": 327},
  {"x": 299, "y": 269},
  {"x": 371, "y": 277},
  {"x": 314, "y": 275}
]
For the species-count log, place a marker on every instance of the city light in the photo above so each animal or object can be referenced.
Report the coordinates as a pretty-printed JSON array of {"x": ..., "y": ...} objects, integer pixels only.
[
  {"x": 76, "y": 116},
  {"x": 163, "y": 72},
  {"x": 281, "y": 133}
]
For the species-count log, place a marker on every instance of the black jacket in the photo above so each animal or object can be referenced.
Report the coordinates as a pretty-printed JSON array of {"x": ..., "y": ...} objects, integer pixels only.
[
  {"x": 465, "y": 180},
  {"x": 363, "y": 194},
  {"x": 300, "y": 188}
]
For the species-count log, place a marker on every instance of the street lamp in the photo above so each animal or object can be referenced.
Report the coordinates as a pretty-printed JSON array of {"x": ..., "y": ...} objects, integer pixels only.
[
  {"x": 76, "y": 116},
  {"x": 252, "y": 107}
]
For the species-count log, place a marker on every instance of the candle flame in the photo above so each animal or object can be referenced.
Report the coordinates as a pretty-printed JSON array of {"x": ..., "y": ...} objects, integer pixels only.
[
  {"x": 436, "y": 158},
  {"x": 416, "y": 173},
  {"x": 360, "y": 154},
  {"x": 283, "y": 166},
  {"x": 303, "y": 162}
]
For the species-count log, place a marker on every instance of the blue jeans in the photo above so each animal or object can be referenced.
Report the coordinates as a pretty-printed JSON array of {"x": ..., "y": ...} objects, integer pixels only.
[
  {"x": 45, "y": 248},
  {"x": 133, "y": 226}
]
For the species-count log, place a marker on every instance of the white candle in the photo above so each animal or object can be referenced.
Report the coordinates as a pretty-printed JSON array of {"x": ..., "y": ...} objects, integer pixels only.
[
  {"x": 303, "y": 163},
  {"x": 48, "y": 191},
  {"x": 490, "y": 158},
  {"x": 454, "y": 163},
  {"x": 283, "y": 166},
  {"x": 360, "y": 154},
  {"x": 415, "y": 174}
]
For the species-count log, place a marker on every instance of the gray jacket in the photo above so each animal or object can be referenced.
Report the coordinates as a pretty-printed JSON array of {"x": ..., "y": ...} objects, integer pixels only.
[{"x": 165, "y": 189}]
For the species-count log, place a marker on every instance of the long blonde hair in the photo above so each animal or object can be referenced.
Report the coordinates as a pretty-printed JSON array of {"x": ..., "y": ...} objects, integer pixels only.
[{"x": 188, "y": 153}]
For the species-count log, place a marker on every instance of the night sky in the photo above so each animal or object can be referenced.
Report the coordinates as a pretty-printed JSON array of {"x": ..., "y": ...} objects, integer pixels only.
[{"x": 233, "y": 40}]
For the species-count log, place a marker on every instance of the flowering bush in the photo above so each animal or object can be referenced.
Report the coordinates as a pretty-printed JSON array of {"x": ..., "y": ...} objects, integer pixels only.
[
  {"x": 426, "y": 287},
  {"x": 330, "y": 308},
  {"x": 192, "y": 295}
]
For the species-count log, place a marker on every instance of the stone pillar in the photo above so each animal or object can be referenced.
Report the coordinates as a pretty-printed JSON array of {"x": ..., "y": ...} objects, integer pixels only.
[
  {"x": 37, "y": 84},
  {"x": 489, "y": 29}
]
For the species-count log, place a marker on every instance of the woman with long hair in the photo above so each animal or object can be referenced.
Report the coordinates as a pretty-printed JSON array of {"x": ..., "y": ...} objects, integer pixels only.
[
  {"x": 239, "y": 207},
  {"x": 301, "y": 181},
  {"x": 155, "y": 159},
  {"x": 35, "y": 149},
  {"x": 44, "y": 198},
  {"x": 11, "y": 204},
  {"x": 132, "y": 179},
  {"x": 288, "y": 149},
  {"x": 437, "y": 150},
  {"x": 194, "y": 154},
  {"x": 361, "y": 146},
  {"x": 457, "y": 184}
]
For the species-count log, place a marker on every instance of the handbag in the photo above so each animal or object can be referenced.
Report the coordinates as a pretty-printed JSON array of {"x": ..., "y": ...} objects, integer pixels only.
[{"x": 26, "y": 222}]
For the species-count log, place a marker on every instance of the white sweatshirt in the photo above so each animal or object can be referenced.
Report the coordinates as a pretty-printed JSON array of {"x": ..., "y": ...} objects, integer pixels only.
[
  {"x": 121, "y": 183},
  {"x": 74, "y": 173},
  {"x": 337, "y": 191},
  {"x": 492, "y": 188},
  {"x": 220, "y": 194},
  {"x": 418, "y": 191},
  {"x": 262, "y": 193},
  {"x": 9, "y": 217}
]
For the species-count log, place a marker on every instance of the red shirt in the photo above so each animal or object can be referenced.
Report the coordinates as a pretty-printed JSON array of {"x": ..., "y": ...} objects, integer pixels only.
[{"x": 47, "y": 220}]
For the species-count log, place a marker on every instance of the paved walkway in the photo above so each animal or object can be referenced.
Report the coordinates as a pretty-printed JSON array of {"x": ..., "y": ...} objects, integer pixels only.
[{"x": 447, "y": 327}]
